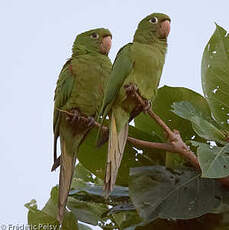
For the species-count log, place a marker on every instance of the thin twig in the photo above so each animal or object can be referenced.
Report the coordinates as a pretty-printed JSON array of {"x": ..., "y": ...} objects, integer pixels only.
[
  {"x": 155, "y": 116},
  {"x": 173, "y": 148}
]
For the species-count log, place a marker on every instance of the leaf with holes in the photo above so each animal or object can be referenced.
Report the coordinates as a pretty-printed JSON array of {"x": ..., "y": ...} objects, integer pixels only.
[
  {"x": 202, "y": 127},
  {"x": 157, "y": 192},
  {"x": 215, "y": 75},
  {"x": 162, "y": 106}
]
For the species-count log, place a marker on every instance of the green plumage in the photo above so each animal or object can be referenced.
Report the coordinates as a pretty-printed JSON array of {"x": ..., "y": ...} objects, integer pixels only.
[
  {"x": 139, "y": 63},
  {"x": 79, "y": 87}
]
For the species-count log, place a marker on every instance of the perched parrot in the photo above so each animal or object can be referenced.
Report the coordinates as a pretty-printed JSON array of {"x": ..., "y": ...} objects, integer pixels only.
[
  {"x": 137, "y": 64},
  {"x": 79, "y": 91}
]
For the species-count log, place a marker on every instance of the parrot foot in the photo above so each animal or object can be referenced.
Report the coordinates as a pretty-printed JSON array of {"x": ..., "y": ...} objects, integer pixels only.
[
  {"x": 91, "y": 122},
  {"x": 75, "y": 117},
  {"x": 131, "y": 89}
]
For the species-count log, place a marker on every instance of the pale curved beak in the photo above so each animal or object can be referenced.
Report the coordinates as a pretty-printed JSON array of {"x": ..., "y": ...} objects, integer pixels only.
[
  {"x": 106, "y": 45},
  {"x": 164, "y": 29}
]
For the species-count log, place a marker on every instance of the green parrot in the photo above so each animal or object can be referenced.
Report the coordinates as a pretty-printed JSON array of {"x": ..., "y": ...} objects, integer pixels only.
[
  {"x": 138, "y": 64},
  {"x": 79, "y": 91}
]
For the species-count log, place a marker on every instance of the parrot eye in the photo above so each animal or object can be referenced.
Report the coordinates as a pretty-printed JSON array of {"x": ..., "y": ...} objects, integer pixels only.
[
  {"x": 94, "y": 35},
  {"x": 153, "y": 20}
]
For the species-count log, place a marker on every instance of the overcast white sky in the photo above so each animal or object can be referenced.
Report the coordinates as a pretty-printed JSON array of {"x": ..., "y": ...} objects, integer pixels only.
[{"x": 36, "y": 39}]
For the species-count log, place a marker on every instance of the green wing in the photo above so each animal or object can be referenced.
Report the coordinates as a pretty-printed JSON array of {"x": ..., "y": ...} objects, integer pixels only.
[
  {"x": 121, "y": 69},
  {"x": 62, "y": 93}
]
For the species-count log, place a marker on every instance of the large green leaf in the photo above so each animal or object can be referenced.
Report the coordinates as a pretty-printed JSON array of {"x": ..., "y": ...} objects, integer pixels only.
[
  {"x": 46, "y": 218},
  {"x": 202, "y": 126},
  {"x": 215, "y": 75},
  {"x": 84, "y": 174},
  {"x": 90, "y": 206},
  {"x": 88, "y": 212},
  {"x": 162, "y": 106},
  {"x": 86, "y": 201},
  {"x": 224, "y": 206},
  {"x": 51, "y": 206},
  {"x": 90, "y": 192},
  {"x": 205, "y": 222},
  {"x": 94, "y": 159},
  {"x": 159, "y": 193},
  {"x": 69, "y": 222},
  {"x": 127, "y": 220},
  {"x": 38, "y": 217},
  {"x": 214, "y": 160}
]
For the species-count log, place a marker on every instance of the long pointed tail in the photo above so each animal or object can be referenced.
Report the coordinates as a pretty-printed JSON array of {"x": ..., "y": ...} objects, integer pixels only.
[
  {"x": 66, "y": 172},
  {"x": 116, "y": 146}
]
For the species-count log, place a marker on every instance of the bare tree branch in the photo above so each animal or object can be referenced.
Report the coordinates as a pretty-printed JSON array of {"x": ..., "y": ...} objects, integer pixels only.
[
  {"x": 175, "y": 143},
  {"x": 177, "y": 146}
]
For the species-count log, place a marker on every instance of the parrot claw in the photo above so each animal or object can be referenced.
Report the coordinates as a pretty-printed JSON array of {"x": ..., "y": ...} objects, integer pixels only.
[
  {"x": 91, "y": 122},
  {"x": 75, "y": 117},
  {"x": 131, "y": 89}
]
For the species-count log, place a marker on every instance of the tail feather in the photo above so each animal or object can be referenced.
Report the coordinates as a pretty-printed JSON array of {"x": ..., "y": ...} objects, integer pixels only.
[
  {"x": 56, "y": 164},
  {"x": 66, "y": 172},
  {"x": 116, "y": 146}
]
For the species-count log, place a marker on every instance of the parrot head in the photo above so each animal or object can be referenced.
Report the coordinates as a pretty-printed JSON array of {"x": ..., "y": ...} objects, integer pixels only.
[
  {"x": 96, "y": 40},
  {"x": 154, "y": 26}
]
